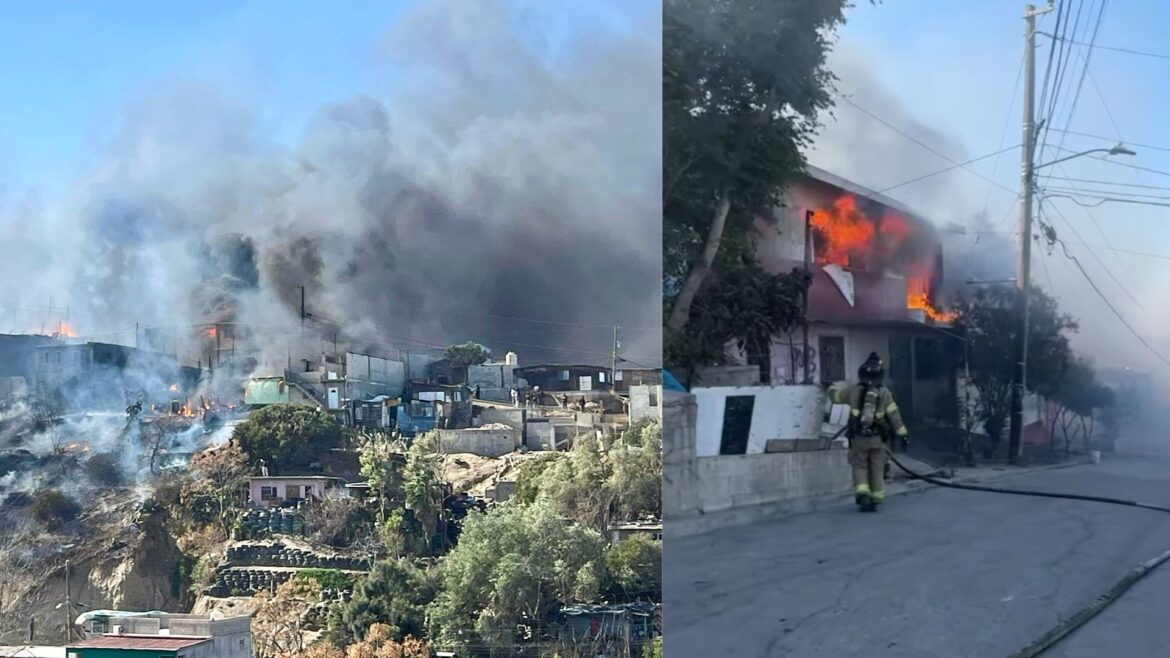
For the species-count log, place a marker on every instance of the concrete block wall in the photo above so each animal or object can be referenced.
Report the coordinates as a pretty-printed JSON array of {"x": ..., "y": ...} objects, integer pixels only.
[
  {"x": 513, "y": 418},
  {"x": 695, "y": 485},
  {"x": 540, "y": 436},
  {"x": 486, "y": 443}
]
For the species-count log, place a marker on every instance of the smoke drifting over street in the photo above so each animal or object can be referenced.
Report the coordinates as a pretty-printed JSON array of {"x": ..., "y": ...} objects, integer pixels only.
[{"x": 493, "y": 185}]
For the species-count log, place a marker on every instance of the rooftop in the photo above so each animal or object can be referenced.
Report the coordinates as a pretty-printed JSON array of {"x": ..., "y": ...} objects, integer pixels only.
[{"x": 140, "y": 642}]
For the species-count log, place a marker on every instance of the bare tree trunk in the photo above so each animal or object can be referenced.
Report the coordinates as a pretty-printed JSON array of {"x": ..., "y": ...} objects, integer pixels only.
[{"x": 681, "y": 310}]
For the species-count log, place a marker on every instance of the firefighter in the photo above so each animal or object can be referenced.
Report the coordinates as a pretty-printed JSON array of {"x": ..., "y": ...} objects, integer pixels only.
[{"x": 874, "y": 420}]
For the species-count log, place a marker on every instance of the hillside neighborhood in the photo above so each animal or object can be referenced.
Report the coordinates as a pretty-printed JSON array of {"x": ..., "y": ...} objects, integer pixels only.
[{"x": 411, "y": 503}]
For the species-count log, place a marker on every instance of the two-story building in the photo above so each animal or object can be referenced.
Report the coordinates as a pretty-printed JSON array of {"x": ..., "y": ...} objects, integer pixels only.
[{"x": 877, "y": 274}]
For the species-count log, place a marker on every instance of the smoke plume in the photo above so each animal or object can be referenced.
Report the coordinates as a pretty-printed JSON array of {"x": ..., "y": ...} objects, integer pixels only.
[{"x": 495, "y": 185}]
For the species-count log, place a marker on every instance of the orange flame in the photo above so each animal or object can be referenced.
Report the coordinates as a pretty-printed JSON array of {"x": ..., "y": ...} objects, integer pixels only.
[
  {"x": 210, "y": 331},
  {"x": 844, "y": 232},
  {"x": 66, "y": 331}
]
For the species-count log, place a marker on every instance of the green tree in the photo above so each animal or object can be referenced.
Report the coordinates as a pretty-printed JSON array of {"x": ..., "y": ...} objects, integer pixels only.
[
  {"x": 1078, "y": 397},
  {"x": 514, "y": 565},
  {"x": 423, "y": 490},
  {"x": 989, "y": 319},
  {"x": 634, "y": 570},
  {"x": 219, "y": 473},
  {"x": 467, "y": 354},
  {"x": 288, "y": 436},
  {"x": 596, "y": 487},
  {"x": 743, "y": 83},
  {"x": 396, "y": 593},
  {"x": 382, "y": 466},
  {"x": 635, "y": 481},
  {"x": 653, "y": 648}
]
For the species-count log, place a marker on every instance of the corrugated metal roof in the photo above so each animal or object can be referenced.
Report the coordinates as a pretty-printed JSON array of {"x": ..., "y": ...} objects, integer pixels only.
[{"x": 142, "y": 642}]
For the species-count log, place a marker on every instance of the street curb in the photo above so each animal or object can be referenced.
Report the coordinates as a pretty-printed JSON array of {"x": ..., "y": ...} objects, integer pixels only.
[{"x": 696, "y": 525}]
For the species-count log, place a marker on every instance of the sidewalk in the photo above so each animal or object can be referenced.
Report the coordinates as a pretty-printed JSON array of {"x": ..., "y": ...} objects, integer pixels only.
[{"x": 899, "y": 483}]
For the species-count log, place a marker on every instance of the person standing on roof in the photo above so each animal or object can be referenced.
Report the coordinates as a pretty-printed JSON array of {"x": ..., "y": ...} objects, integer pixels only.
[{"x": 874, "y": 420}]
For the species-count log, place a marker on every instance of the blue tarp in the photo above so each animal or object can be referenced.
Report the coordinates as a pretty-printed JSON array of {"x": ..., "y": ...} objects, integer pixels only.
[{"x": 671, "y": 383}]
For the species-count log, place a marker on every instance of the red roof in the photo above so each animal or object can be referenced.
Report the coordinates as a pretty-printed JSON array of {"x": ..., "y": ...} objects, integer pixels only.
[{"x": 145, "y": 642}]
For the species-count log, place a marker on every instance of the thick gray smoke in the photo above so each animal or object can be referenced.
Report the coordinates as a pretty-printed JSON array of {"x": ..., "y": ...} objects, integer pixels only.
[
  {"x": 859, "y": 148},
  {"x": 493, "y": 186}
]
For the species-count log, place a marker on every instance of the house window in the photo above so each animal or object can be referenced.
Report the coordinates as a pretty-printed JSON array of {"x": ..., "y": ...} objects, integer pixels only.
[
  {"x": 58, "y": 355},
  {"x": 563, "y": 375},
  {"x": 737, "y": 424},
  {"x": 656, "y": 536},
  {"x": 585, "y": 384},
  {"x": 601, "y": 377},
  {"x": 268, "y": 493},
  {"x": 617, "y": 376},
  {"x": 46, "y": 359},
  {"x": 832, "y": 358},
  {"x": 653, "y": 398}
]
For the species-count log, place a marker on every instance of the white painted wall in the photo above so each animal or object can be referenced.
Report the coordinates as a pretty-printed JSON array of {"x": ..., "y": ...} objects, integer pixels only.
[
  {"x": 780, "y": 412},
  {"x": 858, "y": 344}
]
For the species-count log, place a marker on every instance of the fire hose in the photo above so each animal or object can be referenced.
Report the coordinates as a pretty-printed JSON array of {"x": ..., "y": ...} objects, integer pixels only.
[{"x": 1082, "y": 616}]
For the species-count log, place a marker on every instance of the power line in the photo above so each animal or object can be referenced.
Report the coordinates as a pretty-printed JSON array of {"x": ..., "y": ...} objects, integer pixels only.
[
  {"x": 1097, "y": 258},
  {"x": 1105, "y": 299},
  {"x": 922, "y": 144},
  {"x": 950, "y": 168},
  {"x": 1131, "y": 51},
  {"x": 555, "y": 323},
  {"x": 1106, "y": 193},
  {"x": 1003, "y": 131},
  {"x": 1084, "y": 69},
  {"x": 1111, "y": 139},
  {"x": 1108, "y": 182},
  {"x": 1120, "y": 164}
]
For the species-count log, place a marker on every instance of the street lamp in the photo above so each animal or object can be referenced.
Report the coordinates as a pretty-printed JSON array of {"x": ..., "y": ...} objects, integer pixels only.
[
  {"x": 1119, "y": 149},
  {"x": 1027, "y": 188}
]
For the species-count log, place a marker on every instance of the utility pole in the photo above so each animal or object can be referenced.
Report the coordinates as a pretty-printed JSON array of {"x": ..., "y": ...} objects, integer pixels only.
[
  {"x": 805, "y": 379},
  {"x": 613, "y": 370},
  {"x": 68, "y": 607},
  {"x": 302, "y": 307},
  {"x": 1015, "y": 442}
]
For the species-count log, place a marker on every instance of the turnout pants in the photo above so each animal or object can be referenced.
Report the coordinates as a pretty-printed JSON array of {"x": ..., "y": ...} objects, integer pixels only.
[{"x": 867, "y": 456}]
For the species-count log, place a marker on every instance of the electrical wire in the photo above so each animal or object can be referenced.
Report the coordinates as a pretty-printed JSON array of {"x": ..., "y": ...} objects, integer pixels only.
[
  {"x": 1100, "y": 262},
  {"x": 1111, "y": 139},
  {"x": 1104, "y": 298},
  {"x": 922, "y": 144},
  {"x": 1131, "y": 51},
  {"x": 950, "y": 168}
]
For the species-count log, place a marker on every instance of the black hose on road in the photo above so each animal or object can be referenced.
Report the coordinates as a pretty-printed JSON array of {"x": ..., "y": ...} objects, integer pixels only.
[{"x": 1082, "y": 616}]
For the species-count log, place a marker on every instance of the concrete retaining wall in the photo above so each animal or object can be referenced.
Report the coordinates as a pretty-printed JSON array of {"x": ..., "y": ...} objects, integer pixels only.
[
  {"x": 513, "y": 418},
  {"x": 779, "y": 412},
  {"x": 695, "y": 487},
  {"x": 486, "y": 443},
  {"x": 540, "y": 435}
]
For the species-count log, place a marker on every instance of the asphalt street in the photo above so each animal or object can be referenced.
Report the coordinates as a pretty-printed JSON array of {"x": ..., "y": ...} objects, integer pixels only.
[{"x": 936, "y": 572}]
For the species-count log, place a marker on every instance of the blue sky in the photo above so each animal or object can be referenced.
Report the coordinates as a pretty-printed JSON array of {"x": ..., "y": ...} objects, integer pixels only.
[
  {"x": 71, "y": 69},
  {"x": 943, "y": 71}
]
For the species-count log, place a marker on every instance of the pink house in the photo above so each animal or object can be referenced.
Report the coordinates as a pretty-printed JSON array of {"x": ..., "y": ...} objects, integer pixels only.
[{"x": 273, "y": 490}]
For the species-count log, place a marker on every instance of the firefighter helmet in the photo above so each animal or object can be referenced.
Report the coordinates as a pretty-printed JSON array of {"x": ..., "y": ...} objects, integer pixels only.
[{"x": 873, "y": 370}]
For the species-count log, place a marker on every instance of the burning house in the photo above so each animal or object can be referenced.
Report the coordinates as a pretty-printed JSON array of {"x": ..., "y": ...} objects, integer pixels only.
[
  {"x": 108, "y": 376},
  {"x": 876, "y": 269}
]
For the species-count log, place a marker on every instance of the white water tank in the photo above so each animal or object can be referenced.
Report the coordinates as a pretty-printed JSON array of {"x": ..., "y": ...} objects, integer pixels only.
[{"x": 510, "y": 359}]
